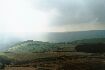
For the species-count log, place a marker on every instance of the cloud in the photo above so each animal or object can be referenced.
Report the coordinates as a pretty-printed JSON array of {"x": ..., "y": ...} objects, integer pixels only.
[
  {"x": 75, "y": 11},
  {"x": 51, "y": 15},
  {"x": 20, "y": 16}
]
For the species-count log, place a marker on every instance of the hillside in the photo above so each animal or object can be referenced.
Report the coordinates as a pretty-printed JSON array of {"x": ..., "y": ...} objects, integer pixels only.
[
  {"x": 31, "y": 46},
  {"x": 38, "y": 46}
]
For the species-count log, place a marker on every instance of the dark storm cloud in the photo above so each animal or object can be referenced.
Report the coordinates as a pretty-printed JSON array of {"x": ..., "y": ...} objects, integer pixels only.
[
  {"x": 75, "y": 11},
  {"x": 97, "y": 7}
]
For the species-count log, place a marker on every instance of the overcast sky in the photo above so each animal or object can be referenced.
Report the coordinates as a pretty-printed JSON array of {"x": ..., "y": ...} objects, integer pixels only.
[{"x": 51, "y": 15}]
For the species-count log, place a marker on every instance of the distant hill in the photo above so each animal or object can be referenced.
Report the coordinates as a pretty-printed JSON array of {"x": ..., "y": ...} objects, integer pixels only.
[
  {"x": 72, "y": 36},
  {"x": 93, "y": 40}
]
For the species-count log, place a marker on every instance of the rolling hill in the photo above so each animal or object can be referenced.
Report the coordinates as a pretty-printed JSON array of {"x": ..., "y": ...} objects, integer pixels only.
[
  {"x": 32, "y": 46},
  {"x": 39, "y": 46}
]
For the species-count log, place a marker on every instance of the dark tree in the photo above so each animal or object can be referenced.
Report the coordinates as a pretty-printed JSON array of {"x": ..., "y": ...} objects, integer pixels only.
[{"x": 91, "y": 48}]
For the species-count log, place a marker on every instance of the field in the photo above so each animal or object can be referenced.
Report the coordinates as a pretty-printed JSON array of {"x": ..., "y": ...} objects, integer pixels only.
[{"x": 62, "y": 62}]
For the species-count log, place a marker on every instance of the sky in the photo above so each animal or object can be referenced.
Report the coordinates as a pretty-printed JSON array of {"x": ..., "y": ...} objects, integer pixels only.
[{"x": 19, "y": 16}]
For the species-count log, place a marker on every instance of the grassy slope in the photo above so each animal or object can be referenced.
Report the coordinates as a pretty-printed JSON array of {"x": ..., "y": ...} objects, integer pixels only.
[{"x": 33, "y": 50}]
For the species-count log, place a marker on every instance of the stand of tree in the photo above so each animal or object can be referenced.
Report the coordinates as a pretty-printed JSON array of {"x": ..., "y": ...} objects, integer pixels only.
[{"x": 91, "y": 48}]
